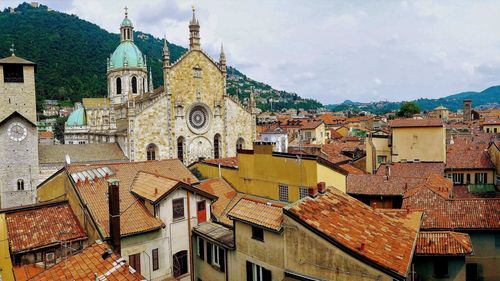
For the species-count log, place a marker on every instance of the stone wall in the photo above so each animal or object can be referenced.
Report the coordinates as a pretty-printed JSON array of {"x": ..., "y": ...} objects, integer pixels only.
[{"x": 18, "y": 97}]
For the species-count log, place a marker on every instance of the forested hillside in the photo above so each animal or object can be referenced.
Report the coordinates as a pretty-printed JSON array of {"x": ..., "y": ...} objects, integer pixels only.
[{"x": 71, "y": 55}]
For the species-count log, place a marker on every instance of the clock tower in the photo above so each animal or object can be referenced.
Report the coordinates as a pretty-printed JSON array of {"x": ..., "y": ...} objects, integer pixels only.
[{"x": 18, "y": 133}]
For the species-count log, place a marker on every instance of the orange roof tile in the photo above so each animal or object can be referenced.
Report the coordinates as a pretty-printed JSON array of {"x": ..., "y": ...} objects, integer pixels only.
[
  {"x": 407, "y": 123},
  {"x": 309, "y": 125},
  {"x": 46, "y": 135},
  {"x": 152, "y": 187},
  {"x": 39, "y": 226},
  {"x": 264, "y": 214},
  {"x": 25, "y": 272},
  {"x": 468, "y": 156},
  {"x": 89, "y": 265},
  {"x": 352, "y": 169},
  {"x": 412, "y": 169},
  {"x": 447, "y": 243},
  {"x": 442, "y": 212},
  {"x": 231, "y": 162},
  {"x": 380, "y": 185},
  {"x": 384, "y": 240},
  {"x": 227, "y": 197}
]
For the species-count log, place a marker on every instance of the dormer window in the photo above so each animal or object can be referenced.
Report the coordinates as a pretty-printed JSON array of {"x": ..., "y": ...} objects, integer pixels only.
[
  {"x": 197, "y": 72},
  {"x": 13, "y": 73}
]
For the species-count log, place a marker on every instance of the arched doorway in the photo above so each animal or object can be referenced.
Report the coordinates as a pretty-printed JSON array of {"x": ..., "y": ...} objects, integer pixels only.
[
  {"x": 180, "y": 262},
  {"x": 240, "y": 144}
]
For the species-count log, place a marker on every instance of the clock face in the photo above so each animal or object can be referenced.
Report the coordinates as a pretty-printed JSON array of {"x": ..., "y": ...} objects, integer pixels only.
[{"x": 17, "y": 131}]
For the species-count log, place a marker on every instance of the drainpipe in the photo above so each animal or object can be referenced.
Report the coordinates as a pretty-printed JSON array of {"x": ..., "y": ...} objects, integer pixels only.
[
  {"x": 190, "y": 237},
  {"x": 220, "y": 172},
  {"x": 114, "y": 214}
]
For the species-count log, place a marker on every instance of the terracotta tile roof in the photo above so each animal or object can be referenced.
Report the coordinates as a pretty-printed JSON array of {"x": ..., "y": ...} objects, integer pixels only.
[
  {"x": 80, "y": 153},
  {"x": 41, "y": 226},
  {"x": 231, "y": 162},
  {"x": 309, "y": 125},
  {"x": 264, "y": 214},
  {"x": 272, "y": 129},
  {"x": 383, "y": 239},
  {"x": 334, "y": 134},
  {"x": 25, "y": 272},
  {"x": 444, "y": 213},
  {"x": 443, "y": 243},
  {"x": 435, "y": 183},
  {"x": 330, "y": 119},
  {"x": 89, "y": 265},
  {"x": 152, "y": 187},
  {"x": 407, "y": 123},
  {"x": 352, "y": 169},
  {"x": 46, "y": 135},
  {"x": 358, "y": 119},
  {"x": 412, "y": 169},
  {"x": 492, "y": 121},
  {"x": 468, "y": 156},
  {"x": 366, "y": 184},
  {"x": 334, "y": 151},
  {"x": 227, "y": 195},
  {"x": 136, "y": 219}
]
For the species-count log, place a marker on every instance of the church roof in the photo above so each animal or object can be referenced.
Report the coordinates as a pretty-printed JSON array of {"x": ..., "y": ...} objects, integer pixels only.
[
  {"x": 127, "y": 53},
  {"x": 77, "y": 118},
  {"x": 126, "y": 22},
  {"x": 15, "y": 60}
]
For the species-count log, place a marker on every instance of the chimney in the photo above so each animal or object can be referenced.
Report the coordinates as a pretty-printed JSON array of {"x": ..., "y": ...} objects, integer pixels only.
[
  {"x": 387, "y": 171},
  {"x": 321, "y": 187},
  {"x": 114, "y": 214},
  {"x": 313, "y": 191},
  {"x": 362, "y": 247}
]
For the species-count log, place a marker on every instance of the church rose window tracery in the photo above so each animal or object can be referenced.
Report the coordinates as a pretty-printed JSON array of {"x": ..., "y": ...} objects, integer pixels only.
[{"x": 198, "y": 117}]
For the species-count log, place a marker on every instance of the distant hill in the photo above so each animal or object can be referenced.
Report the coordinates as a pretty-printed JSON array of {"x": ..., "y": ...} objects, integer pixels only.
[
  {"x": 71, "y": 55},
  {"x": 488, "y": 98}
]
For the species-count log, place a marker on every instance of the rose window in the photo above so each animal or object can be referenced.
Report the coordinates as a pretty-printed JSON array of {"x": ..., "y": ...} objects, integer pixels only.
[{"x": 198, "y": 117}]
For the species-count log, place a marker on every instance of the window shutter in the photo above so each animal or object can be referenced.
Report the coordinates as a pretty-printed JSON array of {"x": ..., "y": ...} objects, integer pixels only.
[
  {"x": 209, "y": 253},
  {"x": 221, "y": 260},
  {"x": 249, "y": 271},
  {"x": 202, "y": 248},
  {"x": 485, "y": 178},
  {"x": 266, "y": 275}
]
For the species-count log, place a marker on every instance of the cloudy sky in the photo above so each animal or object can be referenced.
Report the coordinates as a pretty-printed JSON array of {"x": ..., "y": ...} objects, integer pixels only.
[{"x": 330, "y": 50}]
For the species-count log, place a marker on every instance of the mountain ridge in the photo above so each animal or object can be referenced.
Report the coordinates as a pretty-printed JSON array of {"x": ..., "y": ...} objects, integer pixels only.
[{"x": 71, "y": 54}]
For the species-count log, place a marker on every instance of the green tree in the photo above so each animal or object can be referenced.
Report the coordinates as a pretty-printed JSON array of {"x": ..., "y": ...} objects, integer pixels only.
[
  {"x": 408, "y": 109},
  {"x": 59, "y": 128}
]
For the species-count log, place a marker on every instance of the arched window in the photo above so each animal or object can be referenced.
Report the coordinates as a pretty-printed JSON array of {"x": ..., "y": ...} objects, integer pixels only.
[
  {"x": 118, "y": 86},
  {"x": 20, "y": 184},
  {"x": 134, "y": 85},
  {"x": 217, "y": 146},
  {"x": 180, "y": 262},
  {"x": 240, "y": 143},
  {"x": 151, "y": 151},
  {"x": 180, "y": 149}
]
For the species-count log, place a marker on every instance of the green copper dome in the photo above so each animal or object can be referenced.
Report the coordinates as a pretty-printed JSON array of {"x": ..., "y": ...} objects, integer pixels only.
[
  {"x": 127, "y": 52},
  {"x": 77, "y": 118},
  {"x": 126, "y": 22}
]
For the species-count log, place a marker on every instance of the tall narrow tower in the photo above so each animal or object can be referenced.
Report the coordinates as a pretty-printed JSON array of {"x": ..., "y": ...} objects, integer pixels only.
[
  {"x": 194, "y": 33},
  {"x": 467, "y": 110}
]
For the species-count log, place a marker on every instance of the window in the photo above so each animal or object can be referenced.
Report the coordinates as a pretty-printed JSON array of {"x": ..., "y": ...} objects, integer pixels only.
[
  {"x": 308, "y": 135},
  {"x": 135, "y": 262},
  {"x": 381, "y": 159},
  {"x": 257, "y": 233},
  {"x": 180, "y": 263},
  {"x": 257, "y": 273},
  {"x": 240, "y": 143},
  {"x": 283, "y": 192},
  {"x": 200, "y": 248},
  {"x": 13, "y": 73},
  {"x": 118, "y": 86},
  {"x": 468, "y": 179},
  {"x": 487, "y": 130},
  {"x": 303, "y": 192},
  {"x": 197, "y": 72},
  {"x": 441, "y": 268},
  {"x": 157, "y": 210},
  {"x": 134, "y": 85},
  {"x": 180, "y": 149},
  {"x": 20, "y": 184},
  {"x": 178, "y": 208},
  {"x": 151, "y": 152},
  {"x": 156, "y": 263},
  {"x": 495, "y": 130},
  {"x": 458, "y": 178},
  {"x": 215, "y": 256},
  {"x": 217, "y": 146},
  {"x": 471, "y": 272},
  {"x": 481, "y": 178}
]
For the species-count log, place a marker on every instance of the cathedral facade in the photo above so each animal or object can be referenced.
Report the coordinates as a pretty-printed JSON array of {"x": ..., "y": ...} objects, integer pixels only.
[{"x": 189, "y": 117}]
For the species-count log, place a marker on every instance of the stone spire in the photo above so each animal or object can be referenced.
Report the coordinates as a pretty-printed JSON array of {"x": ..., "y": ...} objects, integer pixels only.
[
  {"x": 150, "y": 86},
  {"x": 166, "y": 53},
  {"x": 222, "y": 59},
  {"x": 194, "y": 33}
]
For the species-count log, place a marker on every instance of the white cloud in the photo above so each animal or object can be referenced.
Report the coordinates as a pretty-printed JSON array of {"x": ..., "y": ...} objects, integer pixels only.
[{"x": 330, "y": 50}]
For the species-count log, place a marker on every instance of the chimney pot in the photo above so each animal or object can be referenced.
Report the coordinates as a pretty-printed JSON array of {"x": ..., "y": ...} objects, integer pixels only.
[
  {"x": 313, "y": 191},
  {"x": 321, "y": 187},
  {"x": 156, "y": 191}
]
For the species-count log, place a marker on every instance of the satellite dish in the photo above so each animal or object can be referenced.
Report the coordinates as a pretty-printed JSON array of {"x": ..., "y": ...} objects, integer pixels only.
[{"x": 68, "y": 160}]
